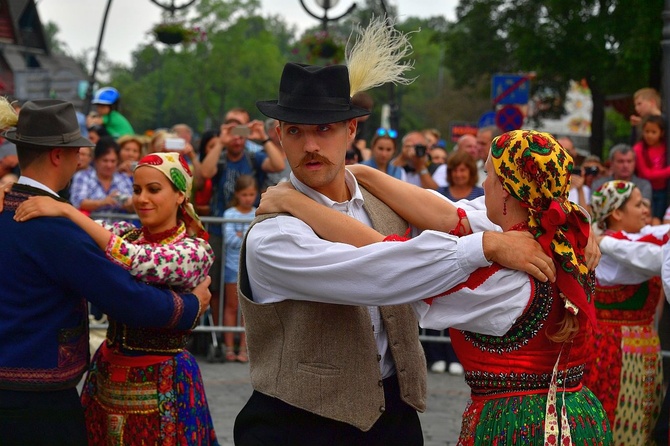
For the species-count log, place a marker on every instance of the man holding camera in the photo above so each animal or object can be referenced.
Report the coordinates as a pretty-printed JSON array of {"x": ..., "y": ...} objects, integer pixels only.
[
  {"x": 414, "y": 161},
  {"x": 227, "y": 161}
]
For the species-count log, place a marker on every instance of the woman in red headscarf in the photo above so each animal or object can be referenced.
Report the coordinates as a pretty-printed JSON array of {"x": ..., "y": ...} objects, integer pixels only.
[
  {"x": 526, "y": 383},
  {"x": 143, "y": 386}
]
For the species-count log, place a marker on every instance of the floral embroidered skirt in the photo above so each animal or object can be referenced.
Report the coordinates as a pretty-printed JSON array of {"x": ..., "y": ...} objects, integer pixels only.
[
  {"x": 627, "y": 378},
  {"x": 158, "y": 404},
  {"x": 519, "y": 420}
]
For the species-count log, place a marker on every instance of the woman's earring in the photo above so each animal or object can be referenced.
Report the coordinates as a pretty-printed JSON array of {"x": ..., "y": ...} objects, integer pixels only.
[{"x": 505, "y": 207}]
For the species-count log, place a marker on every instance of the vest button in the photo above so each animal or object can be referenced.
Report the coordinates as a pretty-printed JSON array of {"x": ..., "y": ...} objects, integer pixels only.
[
  {"x": 379, "y": 358},
  {"x": 382, "y": 408},
  {"x": 381, "y": 383}
]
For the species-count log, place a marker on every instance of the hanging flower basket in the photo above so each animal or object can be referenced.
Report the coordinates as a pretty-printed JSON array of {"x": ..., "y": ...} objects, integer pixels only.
[
  {"x": 322, "y": 46},
  {"x": 173, "y": 33}
]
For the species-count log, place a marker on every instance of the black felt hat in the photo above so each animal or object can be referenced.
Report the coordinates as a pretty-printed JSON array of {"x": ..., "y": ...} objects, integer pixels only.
[
  {"x": 47, "y": 123},
  {"x": 310, "y": 94}
]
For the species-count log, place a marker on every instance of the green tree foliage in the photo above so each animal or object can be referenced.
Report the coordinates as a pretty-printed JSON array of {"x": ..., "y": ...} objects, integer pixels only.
[
  {"x": 613, "y": 44},
  {"x": 54, "y": 44},
  {"x": 239, "y": 62}
]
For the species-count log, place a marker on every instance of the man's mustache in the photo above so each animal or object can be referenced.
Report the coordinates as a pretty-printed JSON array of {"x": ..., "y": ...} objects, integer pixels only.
[{"x": 310, "y": 157}]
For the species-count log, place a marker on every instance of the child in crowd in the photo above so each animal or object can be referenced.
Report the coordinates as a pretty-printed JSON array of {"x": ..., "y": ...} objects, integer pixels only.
[
  {"x": 651, "y": 163},
  {"x": 647, "y": 102},
  {"x": 241, "y": 207},
  {"x": 106, "y": 101}
]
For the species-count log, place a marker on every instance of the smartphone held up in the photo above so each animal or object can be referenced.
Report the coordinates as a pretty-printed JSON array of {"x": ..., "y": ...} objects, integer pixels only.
[
  {"x": 175, "y": 144},
  {"x": 241, "y": 130}
]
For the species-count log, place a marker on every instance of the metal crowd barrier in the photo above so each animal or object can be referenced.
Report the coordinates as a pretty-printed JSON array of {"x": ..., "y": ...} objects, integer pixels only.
[{"x": 206, "y": 323}]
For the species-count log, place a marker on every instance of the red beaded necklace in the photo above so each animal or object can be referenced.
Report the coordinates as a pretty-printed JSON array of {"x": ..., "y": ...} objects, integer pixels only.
[{"x": 522, "y": 226}]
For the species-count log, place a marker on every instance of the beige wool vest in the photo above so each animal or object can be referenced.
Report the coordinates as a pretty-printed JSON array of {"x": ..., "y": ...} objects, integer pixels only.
[{"x": 323, "y": 357}]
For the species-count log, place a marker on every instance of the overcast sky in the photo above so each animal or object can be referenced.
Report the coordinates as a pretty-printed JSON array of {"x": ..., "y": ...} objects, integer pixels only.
[{"x": 129, "y": 21}]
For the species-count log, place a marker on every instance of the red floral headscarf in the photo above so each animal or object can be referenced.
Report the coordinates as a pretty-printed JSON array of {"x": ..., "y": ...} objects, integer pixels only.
[
  {"x": 535, "y": 169},
  {"x": 175, "y": 168}
]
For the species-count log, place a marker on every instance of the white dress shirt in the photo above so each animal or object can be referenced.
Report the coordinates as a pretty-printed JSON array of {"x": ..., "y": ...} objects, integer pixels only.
[
  {"x": 26, "y": 181},
  {"x": 628, "y": 262},
  {"x": 287, "y": 260}
]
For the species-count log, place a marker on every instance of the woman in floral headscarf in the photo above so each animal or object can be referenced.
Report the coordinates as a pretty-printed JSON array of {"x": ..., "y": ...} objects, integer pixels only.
[
  {"x": 143, "y": 386},
  {"x": 526, "y": 384},
  {"x": 626, "y": 370}
]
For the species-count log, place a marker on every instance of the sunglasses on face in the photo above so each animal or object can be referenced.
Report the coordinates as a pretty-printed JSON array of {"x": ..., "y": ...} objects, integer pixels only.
[{"x": 387, "y": 132}]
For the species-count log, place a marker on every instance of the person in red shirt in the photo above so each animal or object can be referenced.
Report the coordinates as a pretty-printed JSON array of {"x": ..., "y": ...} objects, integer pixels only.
[{"x": 651, "y": 163}]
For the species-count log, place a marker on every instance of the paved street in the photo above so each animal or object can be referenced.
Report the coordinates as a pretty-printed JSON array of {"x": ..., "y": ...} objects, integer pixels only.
[{"x": 228, "y": 388}]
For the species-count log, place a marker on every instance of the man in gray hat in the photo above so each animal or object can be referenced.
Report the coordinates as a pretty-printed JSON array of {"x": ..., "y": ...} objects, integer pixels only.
[
  {"x": 51, "y": 267},
  {"x": 331, "y": 364}
]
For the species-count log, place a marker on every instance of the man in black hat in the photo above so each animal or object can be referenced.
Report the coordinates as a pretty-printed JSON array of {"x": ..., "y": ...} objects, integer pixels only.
[
  {"x": 329, "y": 363},
  {"x": 50, "y": 268}
]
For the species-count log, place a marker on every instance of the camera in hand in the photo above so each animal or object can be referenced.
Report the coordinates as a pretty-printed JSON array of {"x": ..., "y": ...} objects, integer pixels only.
[
  {"x": 420, "y": 150},
  {"x": 591, "y": 170},
  {"x": 121, "y": 199}
]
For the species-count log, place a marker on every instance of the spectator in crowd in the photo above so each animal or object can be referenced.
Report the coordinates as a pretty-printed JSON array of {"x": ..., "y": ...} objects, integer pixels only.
[
  {"x": 413, "y": 158},
  {"x": 205, "y": 189},
  {"x": 651, "y": 162},
  {"x": 183, "y": 131},
  {"x": 647, "y": 102},
  {"x": 241, "y": 207},
  {"x": 462, "y": 178},
  {"x": 625, "y": 369},
  {"x": 41, "y": 367},
  {"x": 580, "y": 193},
  {"x": 95, "y": 132},
  {"x": 383, "y": 149},
  {"x": 438, "y": 156},
  {"x": 102, "y": 189},
  {"x": 106, "y": 101},
  {"x": 467, "y": 143},
  {"x": 484, "y": 137},
  {"x": 240, "y": 116},
  {"x": 85, "y": 158},
  {"x": 157, "y": 141},
  {"x": 130, "y": 152},
  {"x": 592, "y": 168},
  {"x": 432, "y": 137},
  {"x": 569, "y": 145},
  {"x": 622, "y": 167},
  {"x": 228, "y": 160}
]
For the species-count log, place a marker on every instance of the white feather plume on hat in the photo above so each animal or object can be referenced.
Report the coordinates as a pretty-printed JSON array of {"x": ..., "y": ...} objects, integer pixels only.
[{"x": 375, "y": 57}]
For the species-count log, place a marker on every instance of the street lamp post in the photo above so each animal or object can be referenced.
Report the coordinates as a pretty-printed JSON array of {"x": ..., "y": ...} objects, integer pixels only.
[
  {"x": 326, "y": 5},
  {"x": 91, "y": 81},
  {"x": 172, "y": 7}
]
